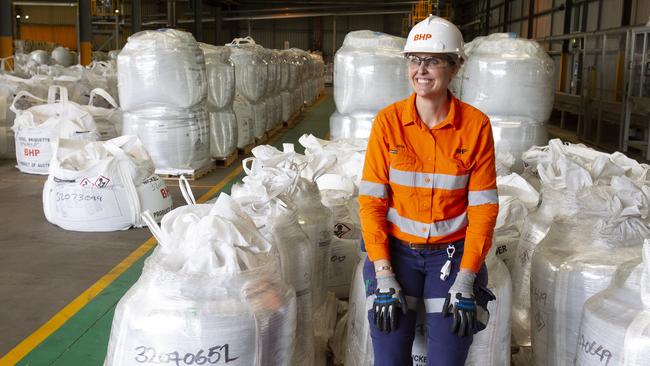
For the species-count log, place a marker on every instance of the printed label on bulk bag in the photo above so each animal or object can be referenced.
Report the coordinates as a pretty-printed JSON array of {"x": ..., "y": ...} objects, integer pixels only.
[
  {"x": 155, "y": 197},
  {"x": 88, "y": 201},
  {"x": 34, "y": 150}
]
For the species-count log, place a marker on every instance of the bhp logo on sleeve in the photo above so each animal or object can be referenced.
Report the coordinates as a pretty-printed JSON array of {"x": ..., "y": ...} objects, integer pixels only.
[{"x": 421, "y": 37}]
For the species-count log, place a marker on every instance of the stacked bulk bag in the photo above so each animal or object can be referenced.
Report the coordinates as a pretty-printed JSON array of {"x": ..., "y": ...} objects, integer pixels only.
[
  {"x": 221, "y": 95},
  {"x": 369, "y": 74},
  {"x": 263, "y": 197},
  {"x": 108, "y": 119},
  {"x": 511, "y": 80},
  {"x": 37, "y": 129},
  {"x": 103, "y": 186},
  {"x": 352, "y": 125},
  {"x": 578, "y": 258},
  {"x": 163, "y": 90},
  {"x": 210, "y": 292},
  {"x": 252, "y": 84},
  {"x": 244, "y": 114},
  {"x": 358, "y": 350}
]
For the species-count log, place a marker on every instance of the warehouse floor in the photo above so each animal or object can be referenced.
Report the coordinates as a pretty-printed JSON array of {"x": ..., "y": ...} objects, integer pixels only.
[{"x": 58, "y": 289}]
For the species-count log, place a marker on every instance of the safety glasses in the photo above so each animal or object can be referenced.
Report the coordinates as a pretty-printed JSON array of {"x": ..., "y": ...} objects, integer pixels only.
[{"x": 430, "y": 63}]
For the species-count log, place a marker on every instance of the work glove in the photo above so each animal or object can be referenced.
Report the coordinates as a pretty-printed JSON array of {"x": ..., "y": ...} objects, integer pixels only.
[
  {"x": 388, "y": 298},
  {"x": 460, "y": 304}
]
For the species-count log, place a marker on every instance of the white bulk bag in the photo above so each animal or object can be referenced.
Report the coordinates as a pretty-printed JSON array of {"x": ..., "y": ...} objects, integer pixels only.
[
  {"x": 245, "y": 122},
  {"x": 608, "y": 315},
  {"x": 251, "y": 70},
  {"x": 515, "y": 135},
  {"x": 223, "y": 133},
  {"x": 62, "y": 56},
  {"x": 175, "y": 138},
  {"x": 283, "y": 61},
  {"x": 38, "y": 129},
  {"x": 356, "y": 125},
  {"x": 164, "y": 67},
  {"x": 277, "y": 101},
  {"x": 369, "y": 72},
  {"x": 278, "y": 222},
  {"x": 220, "y": 75},
  {"x": 211, "y": 292},
  {"x": 270, "y": 113},
  {"x": 108, "y": 120},
  {"x": 577, "y": 259},
  {"x": 260, "y": 116},
  {"x": 342, "y": 262},
  {"x": 358, "y": 349},
  {"x": 287, "y": 110},
  {"x": 509, "y": 77},
  {"x": 344, "y": 158},
  {"x": 103, "y": 186}
]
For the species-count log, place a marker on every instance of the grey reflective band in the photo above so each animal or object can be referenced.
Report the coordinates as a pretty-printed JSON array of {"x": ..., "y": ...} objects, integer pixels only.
[
  {"x": 426, "y": 230},
  {"x": 488, "y": 196},
  {"x": 428, "y": 180},
  {"x": 434, "y": 305},
  {"x": 372, "y": 189},
  {"x": 411, "y": 302}
]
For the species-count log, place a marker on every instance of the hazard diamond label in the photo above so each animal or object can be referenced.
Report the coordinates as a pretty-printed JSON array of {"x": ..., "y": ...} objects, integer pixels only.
[
  {"x": 101, "y": 181},
  {"x": 85, "y": 183},
  {"x": 341, "y": 229}
]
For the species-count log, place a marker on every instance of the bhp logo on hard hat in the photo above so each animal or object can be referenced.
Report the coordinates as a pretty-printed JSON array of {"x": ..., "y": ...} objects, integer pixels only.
[{"x": 421, "y": 37}]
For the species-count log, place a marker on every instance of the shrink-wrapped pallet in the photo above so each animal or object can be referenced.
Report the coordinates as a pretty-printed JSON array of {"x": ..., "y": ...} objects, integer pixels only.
[
  {"x": 515, "y": 135},
  {"x": 287, "y": 110},
  {"x": 577, "y": 259},
  {"x": 164, "y": 67},
  {"x": 251, "y": 69},
  {"x": 506, "y": 76},
  {"x": 175, "y": 138},
  {"x": 355, "y": 125},
  {"x": 220, "y": 73},
  {"x": 211, "y": 292},
  {"x": 103, "y": 186},
  {"x": 223, "y": 132},
  {"x": 37, "y": 129},
  {"x": 369, "y": 72},
  {"x": 278, "y": 222}
]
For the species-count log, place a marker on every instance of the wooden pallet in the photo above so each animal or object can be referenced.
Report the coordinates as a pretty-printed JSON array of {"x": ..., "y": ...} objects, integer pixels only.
[
  {"x": 262, "y": 140},
  {"x": 293, "y": 120},
  {"x": 246, "y": 150},
  {"x": 275, "y": 131},
  {"x": 226, "y": 162},
  {"x": 190, "y": 174}
]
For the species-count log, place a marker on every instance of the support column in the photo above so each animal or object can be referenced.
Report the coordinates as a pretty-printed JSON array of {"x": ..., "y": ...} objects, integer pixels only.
[
  {"x": 136, "y": 16},
  {"x": 198, "y": 20},
  {"x": 506, "y": 16},
  {"x": 218, "y": 24},
  {"x": 531, "y": 17},
  {"x": 6, "y": 29},
  {"x": 85, "y": 33}
]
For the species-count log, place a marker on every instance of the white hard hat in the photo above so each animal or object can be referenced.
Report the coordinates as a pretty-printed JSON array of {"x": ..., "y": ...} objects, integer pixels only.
[{"x": 435, "y": 35}]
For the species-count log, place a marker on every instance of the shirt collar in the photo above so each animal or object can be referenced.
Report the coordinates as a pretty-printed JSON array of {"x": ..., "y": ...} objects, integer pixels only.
[{"x": 411, "y": 114}]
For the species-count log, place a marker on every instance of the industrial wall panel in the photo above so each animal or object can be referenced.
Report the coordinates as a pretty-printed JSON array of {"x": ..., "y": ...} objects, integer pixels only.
[
  {"x": 612, "y": 14},
  {"x": 641, "y": 12},
  {"x": 542, "y": 26},
  {"x": 558, "y": 23},
  {"x": 47, "y": 15}
]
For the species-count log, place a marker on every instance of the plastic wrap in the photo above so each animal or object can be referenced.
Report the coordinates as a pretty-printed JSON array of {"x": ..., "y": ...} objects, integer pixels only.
[
  {"x": 283, "y": 61},
  {"x": 607, "y": 316},
  {"x": 491, "y": 346},
  {"x": 108, "y": 120},
  {"x": 369, "y": 72},
  {"x": 41, "y": 57},
  {"x": 277, "y": 117},
  {"x": 223, "y": 133},
  {"x": 220, "y": 73},
  {"x": 62, "y": 56},
  {"x": 278, "y": 222},
  {"x": 287, "y": 110},
  {"x": 175, "y": 138},
  {"x": 164, "y": 67},
  {"x": 270, "y": 113},
  {"x": 508, "y": 76},
  {"x": 260, "y": 117},
  {"x": 577, "y": 259},
  {"x": 103, "y": 186},
  {"x": 245, "y": 122},
  {"x": 37, "y": 129},
  {"x": 358, "y": 350},
  {"x": 515, "y": 135},
  {"x": 251, "y": 70},
  {"x": 210, "y": 292},
  {"x": 356, "y": 125}
]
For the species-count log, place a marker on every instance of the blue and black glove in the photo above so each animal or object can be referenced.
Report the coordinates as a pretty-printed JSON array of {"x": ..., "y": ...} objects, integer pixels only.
[
  {"x": 461, "y": 304},
  {"x": 388, "y": 298}
]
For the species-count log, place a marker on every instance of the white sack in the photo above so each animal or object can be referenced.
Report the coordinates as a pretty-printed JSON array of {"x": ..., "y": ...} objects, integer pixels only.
[
  {"x": 223, "y": 133},
  {"x": 220, "y": 72},
  {"x": 515, "y": 135},
  {"x": 245, "y": 122},
  {"x": 356, "y": 125}
]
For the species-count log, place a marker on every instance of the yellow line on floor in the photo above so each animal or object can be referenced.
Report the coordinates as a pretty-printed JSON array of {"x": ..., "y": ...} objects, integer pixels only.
[{"x": 52, "y": 325}]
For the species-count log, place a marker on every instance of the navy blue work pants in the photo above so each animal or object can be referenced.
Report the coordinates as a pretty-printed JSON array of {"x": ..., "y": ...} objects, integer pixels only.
[{"x": 418, "y": 272}]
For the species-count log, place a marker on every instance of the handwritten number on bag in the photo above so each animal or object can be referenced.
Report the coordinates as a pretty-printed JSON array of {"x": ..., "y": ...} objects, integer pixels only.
[{"x": 215, "y": 354}]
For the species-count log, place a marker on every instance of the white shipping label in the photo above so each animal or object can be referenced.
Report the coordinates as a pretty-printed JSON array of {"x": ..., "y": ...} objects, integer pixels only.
[
  {"x": 34, "y": 150},
  {"x": 154, "y": 196}
]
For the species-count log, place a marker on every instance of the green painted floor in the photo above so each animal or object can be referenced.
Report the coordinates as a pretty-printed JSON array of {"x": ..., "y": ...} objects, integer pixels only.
[{"x": 83, "y": 339}]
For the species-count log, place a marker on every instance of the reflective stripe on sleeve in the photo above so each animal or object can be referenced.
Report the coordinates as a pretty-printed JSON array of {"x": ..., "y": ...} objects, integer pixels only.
[
  {"x": 488, "y": 196},
  {"x": 372, "y": 189},
  {"x": 428, "y": 180},
  {"x": 426, "y": 230}
]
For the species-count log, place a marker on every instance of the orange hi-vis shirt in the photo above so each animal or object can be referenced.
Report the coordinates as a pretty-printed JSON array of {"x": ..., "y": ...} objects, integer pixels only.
[{"x": 435, "y": 185}]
